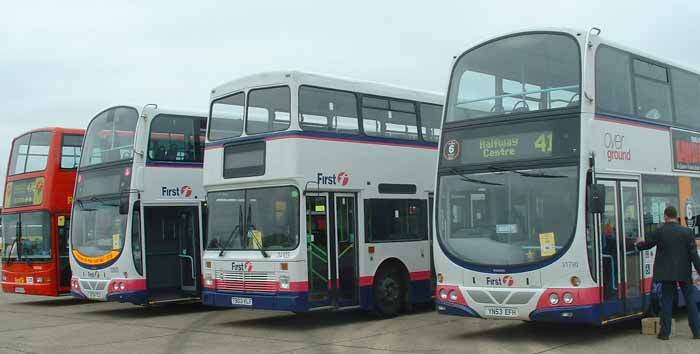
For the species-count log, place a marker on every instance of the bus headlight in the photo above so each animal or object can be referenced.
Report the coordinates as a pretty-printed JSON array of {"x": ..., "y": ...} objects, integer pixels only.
[
  {"x": 553, "y": 298},
  {"x": 568, "y": 298},
  {"x": 443, "y": 294},
  {"x": 208, "y": 279},
  {"x": 122, "y": 286},
  {"x": 453, "y": 295},
  {"x": 284, "y": 281},
  {"x": 116, "y": 286}
]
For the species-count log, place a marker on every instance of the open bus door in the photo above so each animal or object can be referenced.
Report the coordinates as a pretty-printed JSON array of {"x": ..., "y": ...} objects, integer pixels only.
[
  {"x": 331, "y": 224},
  {"x": 620, "y": 264},
  {"x": 172, "y": 251},
  {"x": 63, "y": 266}
]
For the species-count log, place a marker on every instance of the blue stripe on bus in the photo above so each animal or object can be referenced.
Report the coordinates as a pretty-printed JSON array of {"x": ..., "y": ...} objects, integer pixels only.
[
  {"x": 139, "y": 297},
  {"x": 325, "y": 136},
  {"x": 446, "y": 308},
  {"x": 292, "y": 301}
]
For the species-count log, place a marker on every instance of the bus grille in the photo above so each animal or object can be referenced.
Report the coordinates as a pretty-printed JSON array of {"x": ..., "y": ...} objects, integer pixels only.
[{"x": 245, "y": 281}]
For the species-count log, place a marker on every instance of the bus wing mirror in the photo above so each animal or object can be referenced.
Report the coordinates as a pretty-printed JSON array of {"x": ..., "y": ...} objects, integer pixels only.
[
  {"x": 124, "y": 204},
  {"x": 596, "y": 198}
]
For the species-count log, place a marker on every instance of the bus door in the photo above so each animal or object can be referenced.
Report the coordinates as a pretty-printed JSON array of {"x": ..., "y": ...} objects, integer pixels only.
[
  {"x": 345, "y": 210},
  {"x": 189, "y": 248},
  {"x": 171, "y": 235},
  {"x": 318, "y": 249},
  {"x": 621, "y": 264},
  {"x": 64, "y": 273},
  {"x": 431, "y": 215}
]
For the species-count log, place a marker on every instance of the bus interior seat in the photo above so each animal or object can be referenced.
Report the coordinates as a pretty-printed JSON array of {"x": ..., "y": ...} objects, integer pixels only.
[
  {"x": 574, "y": 101},
  {"x": 523, "y": 109},
  {"x": 171, "y": 155},
  {"x": 497, "y": 108}
]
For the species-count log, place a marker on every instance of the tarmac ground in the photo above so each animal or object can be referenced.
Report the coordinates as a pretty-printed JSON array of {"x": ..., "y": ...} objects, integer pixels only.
[{"x": 30, "y": 324}]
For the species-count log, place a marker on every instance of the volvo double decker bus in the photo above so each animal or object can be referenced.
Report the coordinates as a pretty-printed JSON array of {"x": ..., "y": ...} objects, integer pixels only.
[
  {"x": 319, "y": 192},
  {"x": 36, "y": 211},
  {"x": 559, "y": 150},
  {"x": 137, "y": 213}
]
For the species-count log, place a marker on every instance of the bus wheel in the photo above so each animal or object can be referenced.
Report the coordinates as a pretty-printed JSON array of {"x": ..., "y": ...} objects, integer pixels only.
[{"x": 389, "y": 292}]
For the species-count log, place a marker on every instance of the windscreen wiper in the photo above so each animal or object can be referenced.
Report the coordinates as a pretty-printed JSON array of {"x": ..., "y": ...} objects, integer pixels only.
[
  {"x": 101, "y": 201},
  {"x": 93, "y": 199},
  {"x": 82, "y": 207},
  {"x": 249, "y": 222},
  {"x": 257, "y": 243},
  {"x": 473, "y": 180},
  {"x": 233, "y": 232},
  {"x": 526, "y": 174},
  {"x": 9, "y": 257},
  {"x": 228, "y": 240}
]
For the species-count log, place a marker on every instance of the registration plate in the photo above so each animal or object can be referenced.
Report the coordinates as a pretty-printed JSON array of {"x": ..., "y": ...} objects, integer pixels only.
[
  {"x": 242, "y": 301},
  {"x": 507, "y": 312},
  {"x": 92, "y": 294},
  {"x": 19, "y": 290}
]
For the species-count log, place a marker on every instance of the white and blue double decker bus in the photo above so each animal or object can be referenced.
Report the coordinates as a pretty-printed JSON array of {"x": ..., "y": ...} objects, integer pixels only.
[
  {"x": 559, "y": 150},
  {"x": 319, "y": 192},
  {"x": 137, "y": 211}
]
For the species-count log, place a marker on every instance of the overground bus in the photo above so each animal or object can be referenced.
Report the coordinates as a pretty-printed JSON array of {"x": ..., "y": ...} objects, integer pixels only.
[
  {"x": 36, "y": 211},
  {"x": 559, "y": 150},
  {"x": 137, "y": 214},
  {"x": 318, "y": 194}
]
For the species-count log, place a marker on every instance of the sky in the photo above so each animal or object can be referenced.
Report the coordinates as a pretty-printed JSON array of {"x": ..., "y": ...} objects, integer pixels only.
[{"x": 61, "y": 62}]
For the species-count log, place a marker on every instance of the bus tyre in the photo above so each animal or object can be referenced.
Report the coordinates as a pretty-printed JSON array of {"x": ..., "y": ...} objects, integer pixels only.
[{"x": 389, "y": 292}]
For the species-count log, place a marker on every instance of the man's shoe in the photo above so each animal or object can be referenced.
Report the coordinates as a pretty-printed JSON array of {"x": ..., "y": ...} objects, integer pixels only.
[
  {"x": 662, "y": 337},
  {"x": 697, "y": 336}
]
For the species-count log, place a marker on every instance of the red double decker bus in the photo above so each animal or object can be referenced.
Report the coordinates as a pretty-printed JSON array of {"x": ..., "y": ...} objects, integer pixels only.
[{"x": 36, "y": 211}]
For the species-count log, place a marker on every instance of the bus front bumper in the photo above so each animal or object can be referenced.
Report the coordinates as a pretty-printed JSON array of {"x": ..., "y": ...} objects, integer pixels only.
[
  {"x": 281, "y": 301},
  {"x": 587, "y": 314},
  {"x": 446, "y": 308},
  {"x": 45, "y": 289}
]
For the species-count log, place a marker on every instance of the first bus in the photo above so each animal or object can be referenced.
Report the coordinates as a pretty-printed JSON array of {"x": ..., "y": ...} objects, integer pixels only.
[
  {"x": 319, "y": 192},
  {"x": 36, "y": 211},
  {"x": 137, "y": 214},
  {"x": 560, "y": 150}
]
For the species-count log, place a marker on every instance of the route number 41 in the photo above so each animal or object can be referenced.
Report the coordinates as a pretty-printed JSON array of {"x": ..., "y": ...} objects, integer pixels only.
[{"x": 544, "y": 142}]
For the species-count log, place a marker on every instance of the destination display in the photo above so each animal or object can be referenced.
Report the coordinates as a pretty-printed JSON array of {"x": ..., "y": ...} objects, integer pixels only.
[
  {"x": 519, "y": 146},
  {"x": 686, "y": 150},
  {"x": 24, "y": 192},
  {"x": 512, "y": 142},
  {"x": 107, "y": 181},
  {"x": 244, "y": 160}
]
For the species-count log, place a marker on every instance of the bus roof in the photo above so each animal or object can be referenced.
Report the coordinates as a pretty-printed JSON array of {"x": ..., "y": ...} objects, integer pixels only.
[
  {"x": 154, "y": 109},
  {"x": 580, "y": 35},
  {"x": 293, "y": 77},
  {"x": 56, "y": 129}
]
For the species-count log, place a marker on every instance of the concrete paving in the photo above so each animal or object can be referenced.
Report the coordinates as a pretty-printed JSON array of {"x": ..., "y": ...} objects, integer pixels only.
[{"x": 31, "y": 324}]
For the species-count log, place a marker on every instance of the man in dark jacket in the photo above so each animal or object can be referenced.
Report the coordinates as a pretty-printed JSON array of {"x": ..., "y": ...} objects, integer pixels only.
[{"x": 675, "y": 251}]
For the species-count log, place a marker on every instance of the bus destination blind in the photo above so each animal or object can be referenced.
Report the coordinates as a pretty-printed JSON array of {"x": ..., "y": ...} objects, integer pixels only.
[{"x": 518, "y": 146}]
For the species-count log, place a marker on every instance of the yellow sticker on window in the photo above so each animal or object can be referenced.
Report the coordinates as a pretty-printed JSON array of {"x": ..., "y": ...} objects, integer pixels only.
[
  {"x": 116, "y": 242},
  {"x": 321, "y": 208},
  {"x": 61, "y": 220},
  {"x": 256, "y": 239},
  {"x": 547, "y": 244}
]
